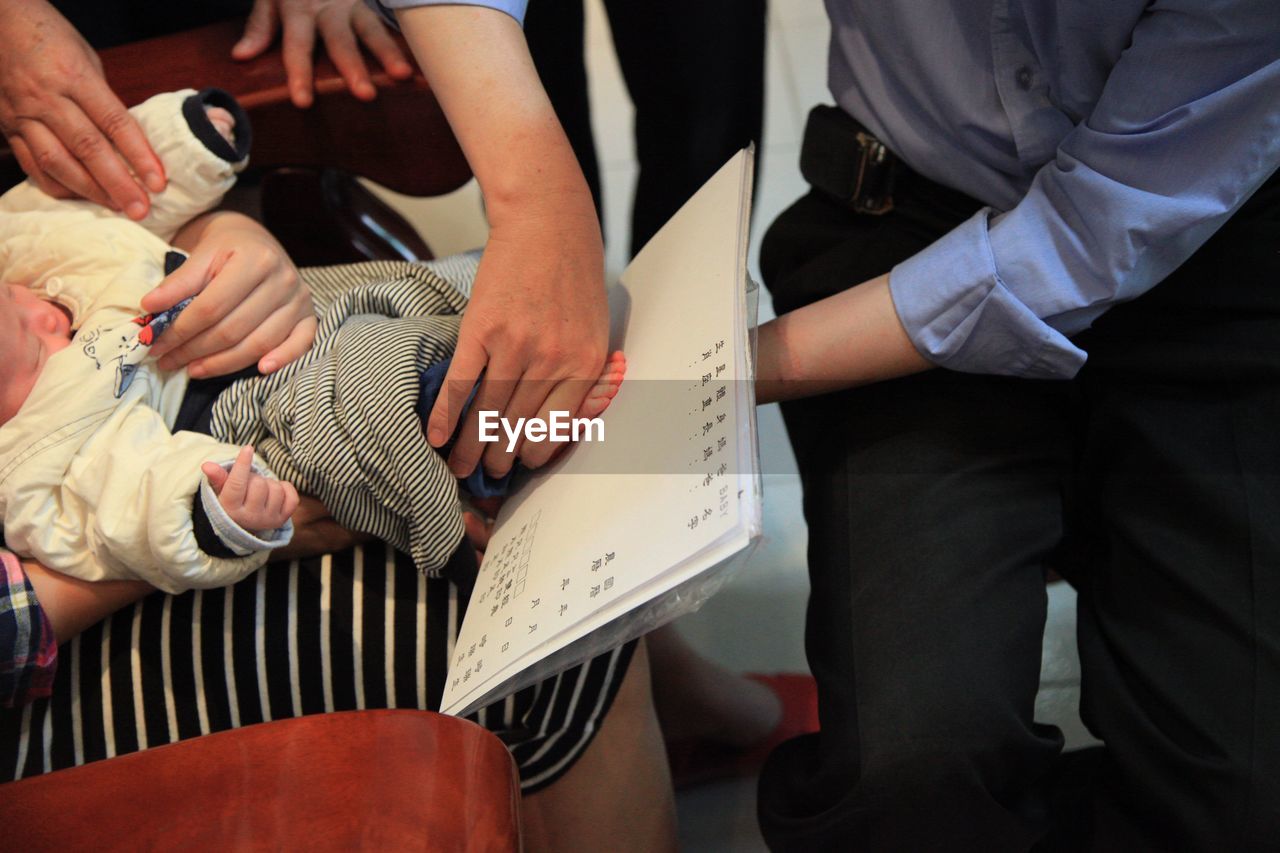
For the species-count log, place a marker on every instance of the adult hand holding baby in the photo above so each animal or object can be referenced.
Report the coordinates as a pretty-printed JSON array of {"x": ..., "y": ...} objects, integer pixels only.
[
  {"x": 250, "y": 303},
  {"x": 69, "y": 131}
]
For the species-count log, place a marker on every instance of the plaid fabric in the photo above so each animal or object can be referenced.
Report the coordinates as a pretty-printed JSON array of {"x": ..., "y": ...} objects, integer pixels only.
[{"x": 28, "y": 652}]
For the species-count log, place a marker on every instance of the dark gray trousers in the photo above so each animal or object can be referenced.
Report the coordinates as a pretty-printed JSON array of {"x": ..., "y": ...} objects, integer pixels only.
[{"x": 935, "y": 504}]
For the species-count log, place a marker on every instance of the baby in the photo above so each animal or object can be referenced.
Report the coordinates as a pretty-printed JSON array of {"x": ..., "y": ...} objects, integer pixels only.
[
  {"x": 82, "y": 444},
  {"x": 100, "y": 473},
  {"x": 32, "y": 329}
]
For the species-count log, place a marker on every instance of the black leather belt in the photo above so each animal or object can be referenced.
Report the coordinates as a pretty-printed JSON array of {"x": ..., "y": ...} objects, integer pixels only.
[{"x": 842, "y": 159}]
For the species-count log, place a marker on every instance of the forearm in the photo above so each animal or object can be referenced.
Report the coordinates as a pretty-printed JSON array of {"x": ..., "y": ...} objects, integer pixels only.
[
  {"x": 480, "y": 70},
  {"x": 849, "y": 339},
  {"x": 73, "y": 605}
]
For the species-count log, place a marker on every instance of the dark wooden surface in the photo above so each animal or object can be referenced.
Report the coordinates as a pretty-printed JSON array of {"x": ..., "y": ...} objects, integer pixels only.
[
  {"x": 401, "y": 139},
  {"x": 373, "y": 780}
]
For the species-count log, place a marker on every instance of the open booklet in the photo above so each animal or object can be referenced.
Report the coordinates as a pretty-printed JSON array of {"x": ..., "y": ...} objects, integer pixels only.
[{"x": 622, "y": 535}]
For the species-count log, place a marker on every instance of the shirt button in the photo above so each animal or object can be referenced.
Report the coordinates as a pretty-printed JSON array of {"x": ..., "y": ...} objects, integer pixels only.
[
  {"x": 53, "y": 286},
  {"x": 1023, "y": 77}
]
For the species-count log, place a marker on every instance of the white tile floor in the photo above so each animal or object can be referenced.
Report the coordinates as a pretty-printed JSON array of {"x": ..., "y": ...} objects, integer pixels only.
[{"x": 773, "y": 587}]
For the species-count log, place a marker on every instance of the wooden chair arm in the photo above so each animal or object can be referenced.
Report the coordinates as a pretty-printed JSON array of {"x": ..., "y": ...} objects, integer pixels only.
[
  {"x": 378, "y": 780},
  {"x": 401, "y": 139}
]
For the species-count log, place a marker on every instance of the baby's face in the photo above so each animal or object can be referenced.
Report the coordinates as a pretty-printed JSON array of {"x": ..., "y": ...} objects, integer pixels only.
[{"x": 31, "y": 330}]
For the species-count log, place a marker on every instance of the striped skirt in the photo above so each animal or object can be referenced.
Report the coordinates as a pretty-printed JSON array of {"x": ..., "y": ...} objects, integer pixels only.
[{"x": 358, "y": 629}]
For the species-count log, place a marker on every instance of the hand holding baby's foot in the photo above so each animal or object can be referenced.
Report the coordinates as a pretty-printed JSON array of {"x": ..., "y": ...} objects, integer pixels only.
[
  {"x": 606, "y": 387},
  {"x": 600, "y": 395},
  {"x": 255, "y": 502},
  {"x": 223, "y": 122}
]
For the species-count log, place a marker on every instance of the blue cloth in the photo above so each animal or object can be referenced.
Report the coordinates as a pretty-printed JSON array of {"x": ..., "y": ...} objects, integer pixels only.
[
  {"x": 514, "y": 8},
  {"x": 1109, "y": 138},
  {"x": 478, "y": 483}
]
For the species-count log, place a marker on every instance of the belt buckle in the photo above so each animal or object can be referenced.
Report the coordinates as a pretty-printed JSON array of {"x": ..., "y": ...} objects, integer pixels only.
[{"x": 873, "y": 189}]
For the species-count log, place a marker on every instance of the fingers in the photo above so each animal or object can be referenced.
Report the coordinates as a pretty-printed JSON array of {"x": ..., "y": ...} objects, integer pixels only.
[
  {"x": 252, "y": 500},
  {"x": 340, "y": 41},
  {"x": 291, "y": 500},
  {"x": 299, "y": 42},
  {"x": 28, "y": 163},
  {"x": 231, "y": 350},
  {"x": 253, "y": 304},
  {"x": 277, "y": 505},
  {"x": 477, "y": 531},
  {"x": 236, "y": 487},
  {"x": 259, "y": 31},
  {"x": 526, "y": 396},
  {"x": 469, "y": 360},
  {"x": 93, "y": 151},
  {"x": 106, "y": 111},
  {"x": 342, "y": 28},
  {"x": 292, "y": 349},
  {"x": 49, "y": 159},
  {"x": 375, "y": 36},
  {"x": 184, "y": 282},
  {"x": 217, "y": 475},
  {"x": 493, "y": 395}
]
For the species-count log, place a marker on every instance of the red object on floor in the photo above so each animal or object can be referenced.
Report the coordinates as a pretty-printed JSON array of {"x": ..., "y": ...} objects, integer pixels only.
[{"x": 698, "y": 761}]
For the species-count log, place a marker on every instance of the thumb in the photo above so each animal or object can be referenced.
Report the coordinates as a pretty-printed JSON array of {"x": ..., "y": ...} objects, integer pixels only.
[
  {"x": 259, "y": 30},
  {"x": 186, "y": 281},
  {"x": 217, "y": 475}
]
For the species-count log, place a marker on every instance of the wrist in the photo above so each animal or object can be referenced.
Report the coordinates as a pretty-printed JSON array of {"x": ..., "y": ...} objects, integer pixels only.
[
  {"x": 550, "y": 187},
  {"x": 214, "y": 222}
]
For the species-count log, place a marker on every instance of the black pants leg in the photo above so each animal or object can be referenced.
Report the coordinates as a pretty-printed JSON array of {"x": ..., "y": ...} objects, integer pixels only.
[
  {"x": 934, "y": 501},
  {"x": 555, "y": 30},
  {"x": 1180, "y": 606},
  {"x": 695, "y": 72}
]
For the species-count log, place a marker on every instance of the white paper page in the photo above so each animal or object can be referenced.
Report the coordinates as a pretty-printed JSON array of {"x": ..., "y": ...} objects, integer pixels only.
[{"x": 614, "y": 522}]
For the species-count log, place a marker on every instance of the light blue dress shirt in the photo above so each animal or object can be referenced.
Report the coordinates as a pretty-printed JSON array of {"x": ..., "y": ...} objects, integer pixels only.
[
  {"x": 1110, "y": 138},
  {"x": 514, "y": 8}
]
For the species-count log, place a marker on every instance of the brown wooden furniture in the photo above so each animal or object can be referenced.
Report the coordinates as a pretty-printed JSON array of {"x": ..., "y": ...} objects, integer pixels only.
[
  {"x": 400, "y": 140},
  {"x": 361, "y": 780}
]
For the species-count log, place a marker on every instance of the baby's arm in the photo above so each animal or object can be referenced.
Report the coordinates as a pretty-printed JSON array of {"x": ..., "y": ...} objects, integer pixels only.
[
  {"x": 259, "y": 504},
  {"x": 203, "y": 139},
  {"x": 126, "y": 506}
]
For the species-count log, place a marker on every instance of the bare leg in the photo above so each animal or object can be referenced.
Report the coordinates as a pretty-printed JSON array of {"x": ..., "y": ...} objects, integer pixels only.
[
  {"x": 696, "y": 698},
  {"x": 618, "y": 796}
]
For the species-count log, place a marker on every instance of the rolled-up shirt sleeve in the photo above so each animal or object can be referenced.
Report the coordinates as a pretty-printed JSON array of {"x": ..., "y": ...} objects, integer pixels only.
[
  {"x": 514, "y": 8},
  {"x": 1187, "y": 127}
]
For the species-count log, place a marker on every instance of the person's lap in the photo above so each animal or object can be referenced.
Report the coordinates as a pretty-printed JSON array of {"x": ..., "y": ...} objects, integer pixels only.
[
  {"x": 934, "y": 504},
  {"x": 358, "y": 629}
]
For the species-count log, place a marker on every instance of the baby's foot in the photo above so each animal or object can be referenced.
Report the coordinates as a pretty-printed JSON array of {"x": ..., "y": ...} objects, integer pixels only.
[
  {"x": 223, "y": 122},
  {"x": 606, "y": 387}
]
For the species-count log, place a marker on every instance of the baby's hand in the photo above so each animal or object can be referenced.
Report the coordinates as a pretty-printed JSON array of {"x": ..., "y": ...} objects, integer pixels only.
[
  {"x": 254, "y": 502},
  {"x": 223, "y": 122}
]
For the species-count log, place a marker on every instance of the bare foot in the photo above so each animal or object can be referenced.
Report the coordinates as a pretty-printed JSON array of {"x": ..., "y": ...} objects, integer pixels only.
[{"x": 606, "y": 387}]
